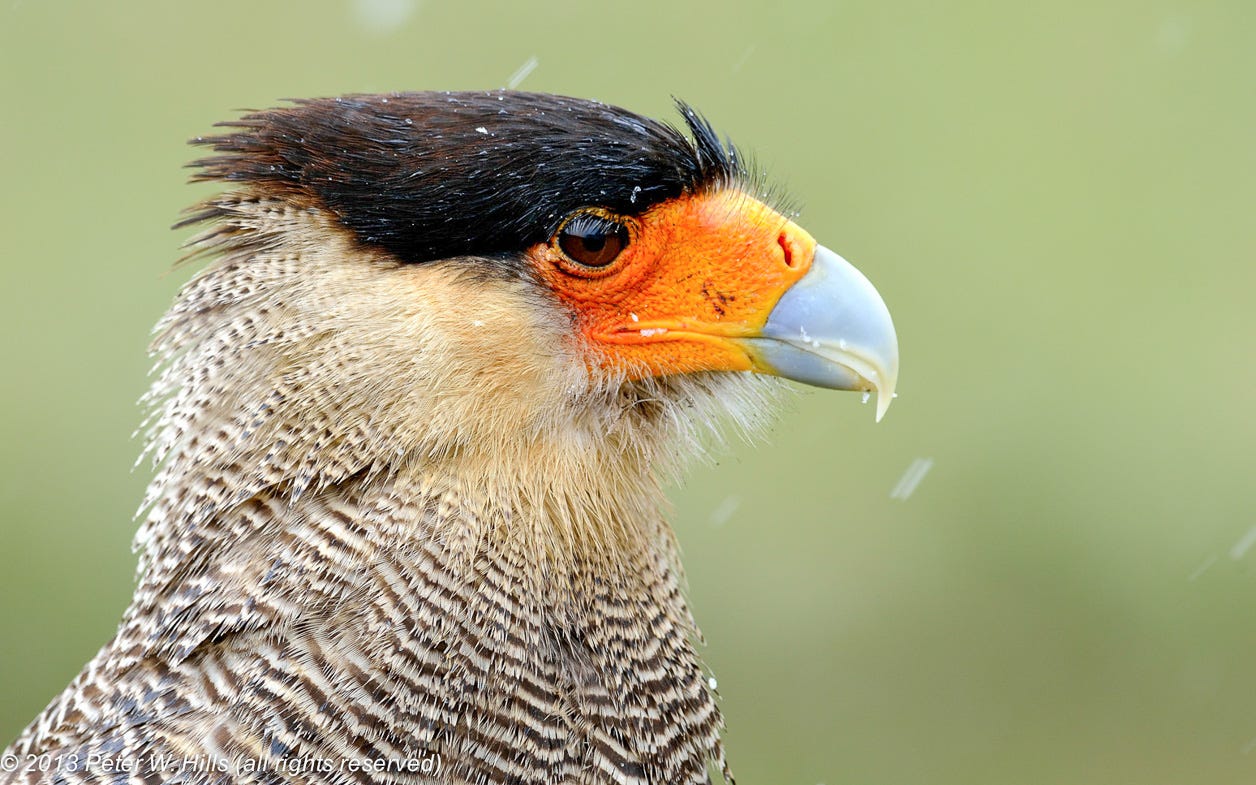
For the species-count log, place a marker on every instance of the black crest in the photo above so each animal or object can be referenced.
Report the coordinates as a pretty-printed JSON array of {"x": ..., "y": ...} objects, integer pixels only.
[{"x": 435, "y": 175}]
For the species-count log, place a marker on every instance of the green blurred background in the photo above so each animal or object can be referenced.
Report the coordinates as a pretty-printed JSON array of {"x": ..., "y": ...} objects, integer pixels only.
[{"x": 1057, "y": 204}]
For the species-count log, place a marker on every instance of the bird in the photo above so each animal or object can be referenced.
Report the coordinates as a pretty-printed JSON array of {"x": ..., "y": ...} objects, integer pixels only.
[{"x": 411, "y": 427}]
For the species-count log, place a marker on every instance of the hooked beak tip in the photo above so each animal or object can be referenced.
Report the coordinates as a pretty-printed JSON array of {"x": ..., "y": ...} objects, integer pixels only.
[{"x": 831, "y": 329}]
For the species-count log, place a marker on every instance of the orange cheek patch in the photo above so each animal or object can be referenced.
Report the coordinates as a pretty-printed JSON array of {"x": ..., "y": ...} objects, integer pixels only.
[{"x": 699, "y": 270}]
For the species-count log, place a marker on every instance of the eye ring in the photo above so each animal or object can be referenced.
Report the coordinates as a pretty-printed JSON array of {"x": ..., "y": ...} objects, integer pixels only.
[{"x": 592, "y": 240}]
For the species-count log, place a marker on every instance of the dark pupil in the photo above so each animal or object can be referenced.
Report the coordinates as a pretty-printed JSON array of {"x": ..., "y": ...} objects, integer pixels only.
[{"x": 592, "y": 240}]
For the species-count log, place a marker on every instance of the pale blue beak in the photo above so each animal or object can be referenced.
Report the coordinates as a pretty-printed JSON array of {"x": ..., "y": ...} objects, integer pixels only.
[{"x": 831, "y": 329}]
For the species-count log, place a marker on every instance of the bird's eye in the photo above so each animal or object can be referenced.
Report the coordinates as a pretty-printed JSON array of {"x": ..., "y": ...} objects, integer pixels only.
[{"x": 592, "y": 240}]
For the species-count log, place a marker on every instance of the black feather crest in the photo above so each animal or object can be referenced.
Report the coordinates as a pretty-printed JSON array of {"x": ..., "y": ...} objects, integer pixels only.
[{"x": 435, "y": 175}]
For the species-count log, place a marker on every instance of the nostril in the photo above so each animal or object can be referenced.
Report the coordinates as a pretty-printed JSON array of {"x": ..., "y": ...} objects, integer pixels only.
[{"x": 787, "y": 249}]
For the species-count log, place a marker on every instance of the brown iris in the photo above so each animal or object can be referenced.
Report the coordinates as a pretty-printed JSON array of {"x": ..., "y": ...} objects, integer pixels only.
[{"x": 592, "y": 240}]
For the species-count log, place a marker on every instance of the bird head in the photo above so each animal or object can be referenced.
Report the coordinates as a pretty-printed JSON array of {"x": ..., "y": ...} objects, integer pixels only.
[{"x": 517, "y": 282}]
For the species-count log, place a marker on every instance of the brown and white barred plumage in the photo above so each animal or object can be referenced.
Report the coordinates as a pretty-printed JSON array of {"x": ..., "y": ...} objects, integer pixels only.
[{"x": 383, "y": 528}]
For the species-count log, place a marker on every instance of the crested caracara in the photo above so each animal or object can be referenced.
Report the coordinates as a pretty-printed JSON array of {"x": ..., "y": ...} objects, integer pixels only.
[{"x": 410, "y": 429}]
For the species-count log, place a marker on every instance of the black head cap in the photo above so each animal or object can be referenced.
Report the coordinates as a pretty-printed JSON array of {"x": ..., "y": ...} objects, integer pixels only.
[{"x": 434, "y": 175}]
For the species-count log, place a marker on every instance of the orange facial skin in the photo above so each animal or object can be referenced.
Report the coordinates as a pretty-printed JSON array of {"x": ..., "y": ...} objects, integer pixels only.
[{"x": 698, "y": 272}]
